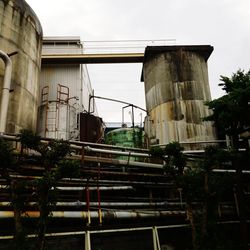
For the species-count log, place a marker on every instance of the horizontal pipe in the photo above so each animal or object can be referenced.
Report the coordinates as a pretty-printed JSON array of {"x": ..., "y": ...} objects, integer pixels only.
[
  {"x": 120, "y": 162},
  {"x": 93, "y": 182},
  {"x": 115, "y": 230},
  {"x": 107, "y": 204},
  {"x": 95, "y": 150},
  {"x": 160, "y": 184},
  {"x": 230, "y": 171},
  {"x": 83, "y": 144},
  {"x": 101, "y": 188},
  {"x": 116, "y": 173},
  {"x": 113, "y": 188},
  {"x": 94, "y": 214},
  {"x": 9, "y": 137},
  {"x": 191, "y": 142}
]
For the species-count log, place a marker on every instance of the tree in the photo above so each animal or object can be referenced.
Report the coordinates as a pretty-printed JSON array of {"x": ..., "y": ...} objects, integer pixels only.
[
  {"x": 52, "y": 159},
  {"x": 202, "y": 189},
  {"x": 231, "y": 114}
]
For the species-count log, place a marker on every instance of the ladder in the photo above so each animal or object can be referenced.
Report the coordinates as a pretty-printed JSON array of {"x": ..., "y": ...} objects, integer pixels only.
[
  {"x": 62, "y": 94},
  {"x": 52, "y": 109}
]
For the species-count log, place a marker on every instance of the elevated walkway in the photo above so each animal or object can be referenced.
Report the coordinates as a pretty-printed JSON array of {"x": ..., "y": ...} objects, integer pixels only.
[
  {"x": 87, "y": 52},
  {"x": 93, "y": 58}
]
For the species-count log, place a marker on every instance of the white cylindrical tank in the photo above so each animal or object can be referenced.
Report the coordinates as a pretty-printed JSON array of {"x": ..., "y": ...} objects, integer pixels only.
[{"x": 21, "y": 32}]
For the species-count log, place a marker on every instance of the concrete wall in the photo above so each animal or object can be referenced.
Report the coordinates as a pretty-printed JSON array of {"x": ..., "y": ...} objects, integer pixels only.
[
  {"x": 176, "y": 87},
  {"x": 20, "y": 31}
]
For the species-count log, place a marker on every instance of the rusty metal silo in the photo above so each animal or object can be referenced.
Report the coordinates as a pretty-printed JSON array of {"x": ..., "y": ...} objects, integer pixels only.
[
  {"x": 21, "y": 32},
  {"x": 176, "y": 87}
]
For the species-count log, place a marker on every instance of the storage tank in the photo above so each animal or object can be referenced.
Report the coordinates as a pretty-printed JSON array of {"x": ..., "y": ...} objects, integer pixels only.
[
  {"x": 176, "y": 87},
  {"x": 21, "y": 32},
  {"x": 125, "y": 137}
]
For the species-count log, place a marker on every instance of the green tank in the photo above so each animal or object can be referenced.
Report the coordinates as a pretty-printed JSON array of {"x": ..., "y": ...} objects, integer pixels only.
[{"x": 125, "y": 137}]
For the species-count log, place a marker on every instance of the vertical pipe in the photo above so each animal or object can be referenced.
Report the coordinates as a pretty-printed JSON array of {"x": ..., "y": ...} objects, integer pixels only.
[
  {"x": 99, "y": 197},
  {"x": 133, "y": 116},
  {"x": 99, "y": 205},
  {"x": 88, "y": 205},
  {"x": 122, "y": 116},
  {"x": 5, "y": 91},
  {"x": 87, "y": 241},
  {"x": 156, "y": 241}
]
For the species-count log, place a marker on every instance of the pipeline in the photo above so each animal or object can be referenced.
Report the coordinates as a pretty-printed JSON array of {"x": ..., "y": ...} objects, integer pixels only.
[
  {"x": 93, "y": 182},
  {"x": 102, "y": 188},
  {"x": 95, "y": 150},
  {"x": 115, "y": 230},
  {"x": 105, "y": 204},
  {"x": 5, "y": 91},
  {"x": 109, "y": 215},
  {"x": 120, "y": 162}
]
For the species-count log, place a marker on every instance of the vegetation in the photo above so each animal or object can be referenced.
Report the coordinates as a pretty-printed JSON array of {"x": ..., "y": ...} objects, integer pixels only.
[
  {"x": 231, "y": 112},
  {"x": 202, "y": 189},
  {"x": 51, "y": 157}
]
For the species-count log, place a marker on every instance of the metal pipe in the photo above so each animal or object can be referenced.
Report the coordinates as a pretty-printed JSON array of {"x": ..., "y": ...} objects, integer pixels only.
[
  {"x": 123, "y": 113},
  {"x": 105, "y": 146},
  {"x": 111, "y": 182},
  {"x": 191, "y": 142},
  {"x": 90, "y": 149},
  {"x": 115, "y": 230},
  {"x": 120, "y": 162},
  {"x": 111, "y": 188},
  {"x": 114, "y": 188},
  {"x": 104, "y": 204},
  {"x": 114, "y": 100},
  {"x": 111, "y": 214},
  {"x": 113, "y": 173},
  {"x": 5, "y": 91}
]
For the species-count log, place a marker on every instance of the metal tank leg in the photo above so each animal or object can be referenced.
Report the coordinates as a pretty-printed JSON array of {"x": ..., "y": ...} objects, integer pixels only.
[
  {"x": 87, "y": 241},
  {"x": 156, "y": 241}
]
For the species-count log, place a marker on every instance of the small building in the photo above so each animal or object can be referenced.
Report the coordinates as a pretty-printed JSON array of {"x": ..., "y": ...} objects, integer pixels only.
[{"x": 64, "y": 90}]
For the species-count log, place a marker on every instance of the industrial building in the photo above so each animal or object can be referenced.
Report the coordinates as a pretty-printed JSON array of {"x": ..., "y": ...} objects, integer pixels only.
[
  {"x": 64, "y": 91},
  {"x": 123, "y": 197}
]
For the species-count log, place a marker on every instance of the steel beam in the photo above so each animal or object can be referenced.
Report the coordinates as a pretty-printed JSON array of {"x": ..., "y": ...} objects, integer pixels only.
[{"x": 92, "y": 58}]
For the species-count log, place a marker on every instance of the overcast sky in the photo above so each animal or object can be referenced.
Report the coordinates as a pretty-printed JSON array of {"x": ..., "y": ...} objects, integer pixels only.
[{"x": 224, "y": 24}]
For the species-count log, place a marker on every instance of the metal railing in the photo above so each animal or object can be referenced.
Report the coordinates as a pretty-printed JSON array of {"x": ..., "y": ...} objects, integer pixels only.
[{"x": 106, "y": 47}]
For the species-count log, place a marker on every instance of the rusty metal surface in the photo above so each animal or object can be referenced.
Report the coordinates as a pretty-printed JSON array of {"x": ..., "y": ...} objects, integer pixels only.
[{"x": 91, "y": 128}]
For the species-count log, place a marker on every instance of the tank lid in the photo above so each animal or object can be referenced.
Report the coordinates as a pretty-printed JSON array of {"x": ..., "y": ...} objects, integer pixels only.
[
  {"x": 204, "y": 50},
  {"x": 27, "y": 11}
]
